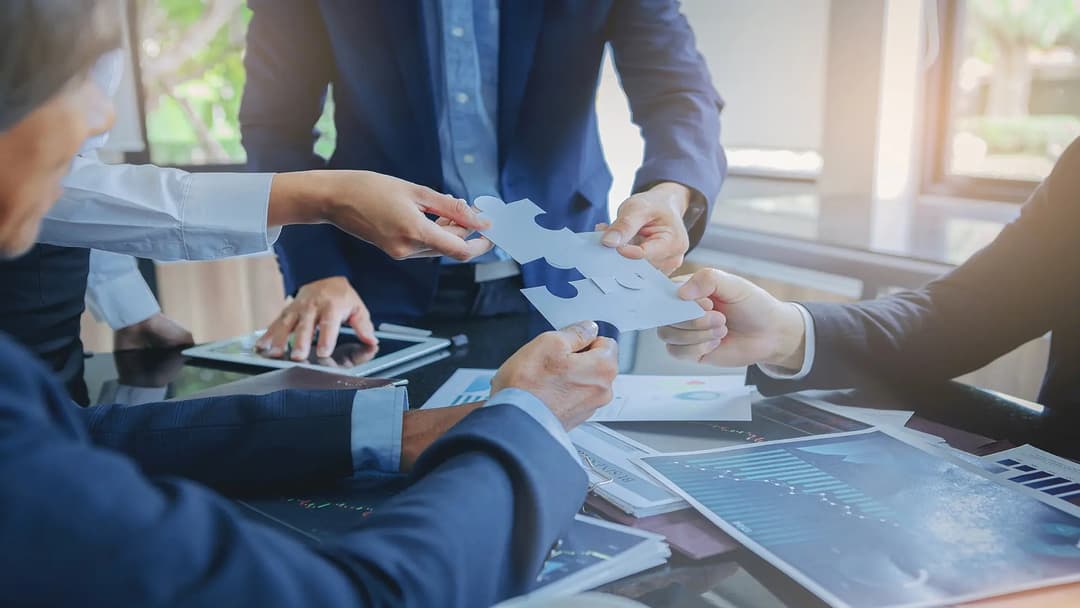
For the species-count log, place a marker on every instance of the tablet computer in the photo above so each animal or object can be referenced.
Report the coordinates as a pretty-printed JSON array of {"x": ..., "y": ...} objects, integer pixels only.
[{"x": 350, "y": 356}]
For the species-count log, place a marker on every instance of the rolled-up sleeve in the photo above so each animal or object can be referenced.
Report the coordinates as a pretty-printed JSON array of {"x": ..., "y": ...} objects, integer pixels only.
[{"x": 376, "y": 428}]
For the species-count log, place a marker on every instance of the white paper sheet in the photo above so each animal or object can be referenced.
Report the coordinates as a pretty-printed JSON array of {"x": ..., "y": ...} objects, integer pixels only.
[
  {"x": 1055, "y": 479},
  {"x": 637, "y": 398},
  {"x": 865, "y": 519}
]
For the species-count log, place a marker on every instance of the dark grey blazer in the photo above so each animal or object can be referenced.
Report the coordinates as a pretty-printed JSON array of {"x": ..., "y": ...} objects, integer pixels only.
[{"x": 1024, "y": 284}]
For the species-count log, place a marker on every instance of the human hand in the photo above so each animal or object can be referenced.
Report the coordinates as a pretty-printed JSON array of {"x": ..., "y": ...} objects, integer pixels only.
[
  {"x": 570, "y": 370},
  {"x": 382, "y": 210},
  {"x": 743, "y": 325},
  {"x": 324, "y": 304},
  {"x": 650, "y": 225},
  {"x": 157, "y": 331}
]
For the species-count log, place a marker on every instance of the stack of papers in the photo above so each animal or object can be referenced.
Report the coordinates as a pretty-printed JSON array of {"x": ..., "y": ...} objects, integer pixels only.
[
  {"x": 618, "y": 479},
  {"x": 594, "y": 553}
]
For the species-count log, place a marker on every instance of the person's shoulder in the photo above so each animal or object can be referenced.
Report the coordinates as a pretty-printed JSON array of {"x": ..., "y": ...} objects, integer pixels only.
[
  {"x": 21, "y": 372},
  {"x": 1064, "y": 179}
]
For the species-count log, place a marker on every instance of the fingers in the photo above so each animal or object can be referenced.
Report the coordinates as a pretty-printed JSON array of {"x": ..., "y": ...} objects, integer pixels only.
[
  {"x": 632, "y": 216},
  {"x": 693, "y": 352},
  {"x": 711, "y": 320},
  {"x": 329, "y": 328},
  {"x": 303, "y": 334},
  {"x": 711, "y": 327},
  {"x": 579, "y": 335},
  {"x": 665, "y": 251},
  {"x": 360, "y": 322},
  {"x": 451, "y": 208},
  {"x": 276, "y": 338},
  {"x": 443, "y": 241},
  {"x": 713, "y": 283}
]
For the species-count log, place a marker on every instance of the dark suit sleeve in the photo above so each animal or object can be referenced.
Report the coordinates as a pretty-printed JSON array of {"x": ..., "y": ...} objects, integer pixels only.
[
  {"x": 289, "y": 65},
  {"x": 234, "y": 443},
  {"x": 85, "y": 526},
  {"x": 1012, "y": 291},
  {"x": 672, "y": 99}
]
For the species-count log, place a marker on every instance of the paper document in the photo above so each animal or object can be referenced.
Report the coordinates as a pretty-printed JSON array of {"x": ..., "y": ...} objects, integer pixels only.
[
  {"x": 866, "y": 519},
  {"x": 593, "y": 553},
  {"x": 637, "y": 398},
  {"x": 1034, "y": 469},
  {"x": 616, "y": 478}
]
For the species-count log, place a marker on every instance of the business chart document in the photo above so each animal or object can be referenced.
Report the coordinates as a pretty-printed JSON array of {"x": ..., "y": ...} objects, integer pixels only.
[{"x": 864, "y": 519}]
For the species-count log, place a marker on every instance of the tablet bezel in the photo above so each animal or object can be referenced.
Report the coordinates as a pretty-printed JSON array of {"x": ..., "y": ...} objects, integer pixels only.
[{"x": 423, "y": 345}]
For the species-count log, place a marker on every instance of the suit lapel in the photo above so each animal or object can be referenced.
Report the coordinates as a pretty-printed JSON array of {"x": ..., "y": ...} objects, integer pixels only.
[
  {"x": 519, "y": 31},
  {"x": 408, "y": 43}
]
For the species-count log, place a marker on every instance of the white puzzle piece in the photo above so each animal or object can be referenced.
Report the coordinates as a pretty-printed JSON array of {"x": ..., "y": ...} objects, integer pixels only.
[{"x": 629, "y": 294}]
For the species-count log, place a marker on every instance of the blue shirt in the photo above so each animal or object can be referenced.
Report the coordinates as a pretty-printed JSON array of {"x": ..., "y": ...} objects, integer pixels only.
[{"x": 463, "y": 44}]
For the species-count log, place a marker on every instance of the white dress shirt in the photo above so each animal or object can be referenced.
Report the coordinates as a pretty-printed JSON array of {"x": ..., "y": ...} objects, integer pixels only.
[
  {"x": 780, "y": 373},
  {"x": 156, "y": 213},
  {"x": 116, "y": 292},
  {"x": 163, "y": 214}
]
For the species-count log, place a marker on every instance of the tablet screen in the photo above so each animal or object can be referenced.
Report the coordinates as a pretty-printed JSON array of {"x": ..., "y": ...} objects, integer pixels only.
[{"x": 349, "y": 352}]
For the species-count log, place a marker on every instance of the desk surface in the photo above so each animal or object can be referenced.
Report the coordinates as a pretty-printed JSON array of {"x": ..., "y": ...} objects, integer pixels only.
[
  {"x": 938, "y": 231},
  {"x": 983, "y": 422}
]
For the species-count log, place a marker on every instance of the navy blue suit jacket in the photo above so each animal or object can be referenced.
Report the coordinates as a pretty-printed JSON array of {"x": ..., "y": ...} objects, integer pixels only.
[
  {"x": 374, "y": 54},
  {"x": 104, "y": 506},
  {"x": 1019, "y": 287}
]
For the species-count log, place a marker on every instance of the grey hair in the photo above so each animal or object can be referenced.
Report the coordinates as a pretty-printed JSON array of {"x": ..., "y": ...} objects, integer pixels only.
[{"x": 46, "y": 44}]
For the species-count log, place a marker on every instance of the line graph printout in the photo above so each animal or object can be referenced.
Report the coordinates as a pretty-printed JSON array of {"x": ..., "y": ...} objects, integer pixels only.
[{"x": 866, "y": 520}]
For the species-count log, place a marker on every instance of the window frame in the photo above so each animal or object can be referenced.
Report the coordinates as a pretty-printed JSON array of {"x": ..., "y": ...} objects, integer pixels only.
[{"x": 940, "y": 92}]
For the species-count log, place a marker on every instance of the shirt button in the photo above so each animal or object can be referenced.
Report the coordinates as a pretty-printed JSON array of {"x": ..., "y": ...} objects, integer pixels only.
[
  {"x": 462, "y": 98},
  {"x": 468, "y": 159},
  {"x": 457, "y": 31}
]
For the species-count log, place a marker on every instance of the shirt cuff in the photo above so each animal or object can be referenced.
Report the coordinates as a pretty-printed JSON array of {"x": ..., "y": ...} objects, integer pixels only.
[
  {"x": 780, "y": 373},
  {"x": 122, "y": 300},
  {"x": 231, "y": 204},
  {"x": 531, "y": 405},
  {"x": 376, "y": 428}
]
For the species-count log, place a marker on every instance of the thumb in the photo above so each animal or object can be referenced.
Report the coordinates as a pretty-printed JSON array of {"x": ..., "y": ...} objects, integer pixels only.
[
  {"x": 451, "y": 208},
  {"x": 713, "y": 283},
  {"x": 579, "y": 335},
  {"x": 632, "y": 216}
]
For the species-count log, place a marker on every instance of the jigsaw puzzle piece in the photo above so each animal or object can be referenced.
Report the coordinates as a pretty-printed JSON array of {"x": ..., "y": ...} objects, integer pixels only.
[
  {"x": 629, "y": 294},
  {"x": 515, "y": 231},
  {"x": 627, "y": 310}
]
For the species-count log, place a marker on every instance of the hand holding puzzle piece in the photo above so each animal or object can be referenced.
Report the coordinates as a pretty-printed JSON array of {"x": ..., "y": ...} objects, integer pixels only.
[{"x": 629, "y": 294}]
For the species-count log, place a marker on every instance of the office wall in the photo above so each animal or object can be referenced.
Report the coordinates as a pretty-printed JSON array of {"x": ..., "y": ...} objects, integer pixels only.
[{"x": 767, "y": 59}]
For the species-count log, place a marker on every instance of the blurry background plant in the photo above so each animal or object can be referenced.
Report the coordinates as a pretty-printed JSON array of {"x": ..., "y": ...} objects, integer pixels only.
[
  {"x": 1018, "y": 87},
  {"x": 191, "y": 57}
]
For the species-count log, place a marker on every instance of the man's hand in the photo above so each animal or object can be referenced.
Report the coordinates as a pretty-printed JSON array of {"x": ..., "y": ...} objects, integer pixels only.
[
  {"x": 650, "y": 225},
  {"x": 325, "y": 305},
  {"x": 744, "y": 325},
  {"x": 382, "y": 210},
  {"x": 570, "y": 370},
  {"x": 158, "y": 331}
]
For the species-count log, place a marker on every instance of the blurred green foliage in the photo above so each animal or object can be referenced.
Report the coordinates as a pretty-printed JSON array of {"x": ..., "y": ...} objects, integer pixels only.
[{"x": 192, "y": 107}]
